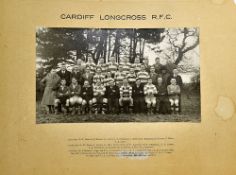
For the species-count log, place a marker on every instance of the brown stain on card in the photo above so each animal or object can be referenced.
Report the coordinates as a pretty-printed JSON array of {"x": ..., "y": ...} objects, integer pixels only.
[{"x": 225, "y": 108}]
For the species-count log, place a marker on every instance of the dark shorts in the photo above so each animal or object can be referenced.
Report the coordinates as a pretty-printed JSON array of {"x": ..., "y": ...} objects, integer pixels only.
[{"x": 62, "y": 100}]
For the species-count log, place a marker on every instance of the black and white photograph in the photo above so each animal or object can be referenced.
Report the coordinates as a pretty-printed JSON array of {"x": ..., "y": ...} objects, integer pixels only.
[{"x": 109, "y": 75}]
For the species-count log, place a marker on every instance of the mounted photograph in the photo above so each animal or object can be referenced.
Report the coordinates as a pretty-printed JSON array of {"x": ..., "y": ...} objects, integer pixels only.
[{"x": 109, "y": 75}]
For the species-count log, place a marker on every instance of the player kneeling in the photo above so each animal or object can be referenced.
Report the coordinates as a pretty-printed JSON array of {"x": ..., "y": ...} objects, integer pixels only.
[
  {"x": 174, "y": 91},
  {"x": 99, "y": 102},
  {"x": 75, "y": 100},
  {"x": 87, "y": 95},
  {"x": 150, "y": 91},
  {"x": 126, "y": 100},
  {"x": 62, "y": 96}
]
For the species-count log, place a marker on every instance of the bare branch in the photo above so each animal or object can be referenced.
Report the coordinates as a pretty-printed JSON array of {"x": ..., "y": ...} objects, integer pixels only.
[{"x": 191, "y": 47}]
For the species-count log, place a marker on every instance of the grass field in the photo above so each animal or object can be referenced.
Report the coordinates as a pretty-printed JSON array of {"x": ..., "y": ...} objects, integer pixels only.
[{"x": 190, "y": 113}]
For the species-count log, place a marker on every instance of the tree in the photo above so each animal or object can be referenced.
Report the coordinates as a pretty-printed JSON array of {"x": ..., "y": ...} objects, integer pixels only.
[
  {"x": 141, "y": 37},
  {"x": 54, "y": 45},
  {"x": 182, "y": 41}
]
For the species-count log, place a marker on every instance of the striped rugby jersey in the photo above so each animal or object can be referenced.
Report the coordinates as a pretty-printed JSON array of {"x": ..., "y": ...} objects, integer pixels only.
[
  {"x": 119, "y": 77},
  {"x": 100, "y": 77},
  {"x": 107, "y": 81},
  {"x": 99, "y": 90},
  {"x": 150, "y": 88},
  {"x": 92, "y": 67},
  {"x": 126, "y": 67},
  {"x": 131, "y": 78},
  {"x": 125, "y": 91},
  {"x": 103, "y": 66},
  {"x": 112, "y": 67},
  {"x": 136, "y": 67},
  {"x": 143, "y": 76}
]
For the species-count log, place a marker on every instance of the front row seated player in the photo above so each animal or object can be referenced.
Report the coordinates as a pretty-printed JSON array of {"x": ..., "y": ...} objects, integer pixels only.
[
  {"x": 75, "y": 99},
  {"x": 150, "y": 92},
  {"x": 163, "y": 104},
  {"x": 174, "y": 91},
  {"x": 126, "y": 100},
  {"x": 62, "y": 97},
  {"x": 112, "y": 95},
  {"x": 87, "y": 95},
  {"x": 138, "y": 96},
  {"x": 99, "y": 102}
]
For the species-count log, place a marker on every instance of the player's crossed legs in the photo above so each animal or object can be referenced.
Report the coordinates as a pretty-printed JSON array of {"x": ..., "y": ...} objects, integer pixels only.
[{"x": 174, "y": 102}]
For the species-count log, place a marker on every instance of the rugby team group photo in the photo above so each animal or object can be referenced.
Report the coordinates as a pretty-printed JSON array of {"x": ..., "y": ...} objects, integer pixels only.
[{"x": 98, "y": 76}]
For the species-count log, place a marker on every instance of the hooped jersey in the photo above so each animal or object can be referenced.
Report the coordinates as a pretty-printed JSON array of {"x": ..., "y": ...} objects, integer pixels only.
[
  {"x": 125, "y": 91},
  {"x": 107, "y": 81},
  {"x": 143, "y": 76},
  {"x": 112, "y": 67},
  {"x": 103, "y": 66},
  {"x": 126, "y": 67},
  {"x": 97, "y": 77},
  {"x": 131, "y": 77},
  {"x": 150, "y": 90},
  {"x": 136, "y": 67}
]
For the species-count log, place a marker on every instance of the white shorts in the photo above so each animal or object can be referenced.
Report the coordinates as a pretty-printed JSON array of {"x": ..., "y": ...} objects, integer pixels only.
[
  {"x": 75, "y": 100},
  {"x": 100, "y": 100},
  {"x": 174, "y": 100},
  {"x": 150, "y": 99}
]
